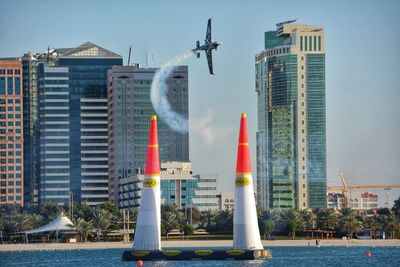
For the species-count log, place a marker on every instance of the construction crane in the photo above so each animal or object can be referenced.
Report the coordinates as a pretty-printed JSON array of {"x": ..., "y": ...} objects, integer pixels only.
[{"x": 344, "y": 189}]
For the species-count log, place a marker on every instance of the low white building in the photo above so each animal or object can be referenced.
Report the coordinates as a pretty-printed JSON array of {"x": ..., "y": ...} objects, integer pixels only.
[{"x": 226, "y": 200}]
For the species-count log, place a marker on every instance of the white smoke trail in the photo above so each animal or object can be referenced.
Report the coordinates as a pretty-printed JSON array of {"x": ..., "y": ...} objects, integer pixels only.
[
  {"x": 202, "y": 127},
  {"x": 159, "y": 99}
]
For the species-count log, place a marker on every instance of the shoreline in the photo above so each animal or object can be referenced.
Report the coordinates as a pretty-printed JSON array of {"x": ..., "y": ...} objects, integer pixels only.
[{"x": 202, "y": 243}]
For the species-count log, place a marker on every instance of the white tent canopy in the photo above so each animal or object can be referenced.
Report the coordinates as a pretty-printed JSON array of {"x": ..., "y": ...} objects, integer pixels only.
[{"x": 61, "y": 223}]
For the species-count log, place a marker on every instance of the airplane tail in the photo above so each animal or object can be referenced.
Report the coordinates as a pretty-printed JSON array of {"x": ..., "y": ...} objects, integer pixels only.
[{"x": 197, "y": 44}]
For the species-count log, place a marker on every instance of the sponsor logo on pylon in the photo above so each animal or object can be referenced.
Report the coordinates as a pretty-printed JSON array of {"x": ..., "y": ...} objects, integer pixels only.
[
  {"x": 242, "y": 181},
  {"x": 150, "y": 182}
]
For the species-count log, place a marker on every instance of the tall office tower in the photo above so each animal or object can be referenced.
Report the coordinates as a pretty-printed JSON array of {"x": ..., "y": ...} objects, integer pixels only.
[
  {"x": 30, "y": 62},
  {"x": 11, "y": 137},
  {"x": 129, "y": 110},
  {"x": 291, "y": 137},
  {"x": 73, "y": 125}
]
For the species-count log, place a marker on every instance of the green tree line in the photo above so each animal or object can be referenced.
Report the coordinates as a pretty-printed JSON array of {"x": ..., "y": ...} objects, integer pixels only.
[{"x": 94, "y": 223}]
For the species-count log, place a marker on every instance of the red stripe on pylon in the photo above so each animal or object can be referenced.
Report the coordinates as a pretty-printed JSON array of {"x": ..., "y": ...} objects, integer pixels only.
[
  {"x": 152, "y": 158},
  {"x": 243, "y": 164}
]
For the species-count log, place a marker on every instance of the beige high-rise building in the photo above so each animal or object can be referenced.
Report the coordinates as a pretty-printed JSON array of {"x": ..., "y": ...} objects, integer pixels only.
[
  {"x": 11, "y": 134},
  {"x": 291, "y": 137}
]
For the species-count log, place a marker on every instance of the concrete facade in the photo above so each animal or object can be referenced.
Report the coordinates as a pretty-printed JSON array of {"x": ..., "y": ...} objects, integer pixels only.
[{"x": 11, "y": 133}]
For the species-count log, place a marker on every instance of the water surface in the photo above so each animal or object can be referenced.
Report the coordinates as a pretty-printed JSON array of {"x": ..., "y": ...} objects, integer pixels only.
[{"x": 281, "y": 257}]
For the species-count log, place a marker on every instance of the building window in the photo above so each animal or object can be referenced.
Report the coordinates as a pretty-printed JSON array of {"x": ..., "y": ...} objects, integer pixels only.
[
  {"x": 305, "y": 43},
  {"x": 9, "y": 72},
  {"x": 301, "y": 43},
  {"x": 2, "y": 86},
  {"x": 315, "y": 43},
  {"x": 310, "y": 43},
  {"x": 319, "y": 43},
  {"x": 17, "y": 85},
  {"x": 10, "y": 85}
]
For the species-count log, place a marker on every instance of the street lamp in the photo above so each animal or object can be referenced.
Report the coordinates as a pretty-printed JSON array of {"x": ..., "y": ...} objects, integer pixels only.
[{"x": 71, "y": 206}]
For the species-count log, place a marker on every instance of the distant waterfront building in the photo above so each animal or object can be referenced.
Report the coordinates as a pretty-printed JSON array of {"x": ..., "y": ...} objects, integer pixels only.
[
  {"x": 179, "y": 186},
  {"x": 30, "y": 63},
  {"x": 73, "y": 129},
  {"x": 11, "y": 133},
  {"x": 226, "y": 200},
  {"x": 129, "y": 112},
  {"x": 363, "y": 201},
  {"x": 335, "y": 201},
  {"x": 291, "y": 137}
]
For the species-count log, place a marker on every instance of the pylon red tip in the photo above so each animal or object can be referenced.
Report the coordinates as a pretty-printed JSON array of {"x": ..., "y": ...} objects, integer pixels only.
[
  {"x": 243, "y": 164},
  {"x": 152, "y": 158}
]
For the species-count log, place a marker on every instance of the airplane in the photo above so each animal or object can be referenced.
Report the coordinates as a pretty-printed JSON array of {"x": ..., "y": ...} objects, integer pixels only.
[{"x": 208, "y": 47}]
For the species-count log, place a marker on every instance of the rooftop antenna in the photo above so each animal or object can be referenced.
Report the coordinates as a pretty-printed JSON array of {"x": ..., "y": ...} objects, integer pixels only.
[
  {"x": 147, "y": 59},
  {"x": 48, "y": 54},
  {"x": 154, "y": 60},
  {"x": 129, "y": 56}
]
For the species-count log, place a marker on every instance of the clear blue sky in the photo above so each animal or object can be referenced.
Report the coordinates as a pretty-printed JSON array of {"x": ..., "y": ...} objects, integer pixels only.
[{"x": 362, "y": 67}]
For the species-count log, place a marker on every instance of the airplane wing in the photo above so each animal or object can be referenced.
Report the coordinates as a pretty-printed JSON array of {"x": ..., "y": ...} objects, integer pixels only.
[
  {"x": 209, "y": 61},
  {"x": 208, "y": 35}
]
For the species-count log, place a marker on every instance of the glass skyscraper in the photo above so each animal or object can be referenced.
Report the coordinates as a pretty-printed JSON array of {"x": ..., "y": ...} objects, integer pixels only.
[
  {"x": 130, "y": 109},
  {"x": 291, "y": 137},
  {"x": 73, "y": 130},
  {"x": 30, "y": 63}
]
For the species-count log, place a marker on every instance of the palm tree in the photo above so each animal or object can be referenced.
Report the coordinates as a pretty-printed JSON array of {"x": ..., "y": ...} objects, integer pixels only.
[
  {"x": 169, "y": 220},
  {"x": 391, "y": 225},
  {"x": 294, "y": 221},
  {"x": 396, "y": 207},
  {"x": 84, "y": 228},
  {"x": 224, "y": 221},
  {"x": 50, "y": 211},
  {"x": 266, "y": 228},
  {"x": 327, "y": 219},
  {"x": 36, "y": 220},
  {"x": 266, "y": 222},
  {"x": 351, "y": 226},
  {"x": 309, "y": 218},
  {"x": 372, "y": 224},
  {"x": 347, "y": 213},
  {"x": 22, "y": 222},
  {"x": 102, "y": 221}
]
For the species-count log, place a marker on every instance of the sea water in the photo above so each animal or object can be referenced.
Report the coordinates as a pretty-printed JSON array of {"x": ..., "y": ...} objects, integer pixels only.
[{"x": 281, "y": 256}]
